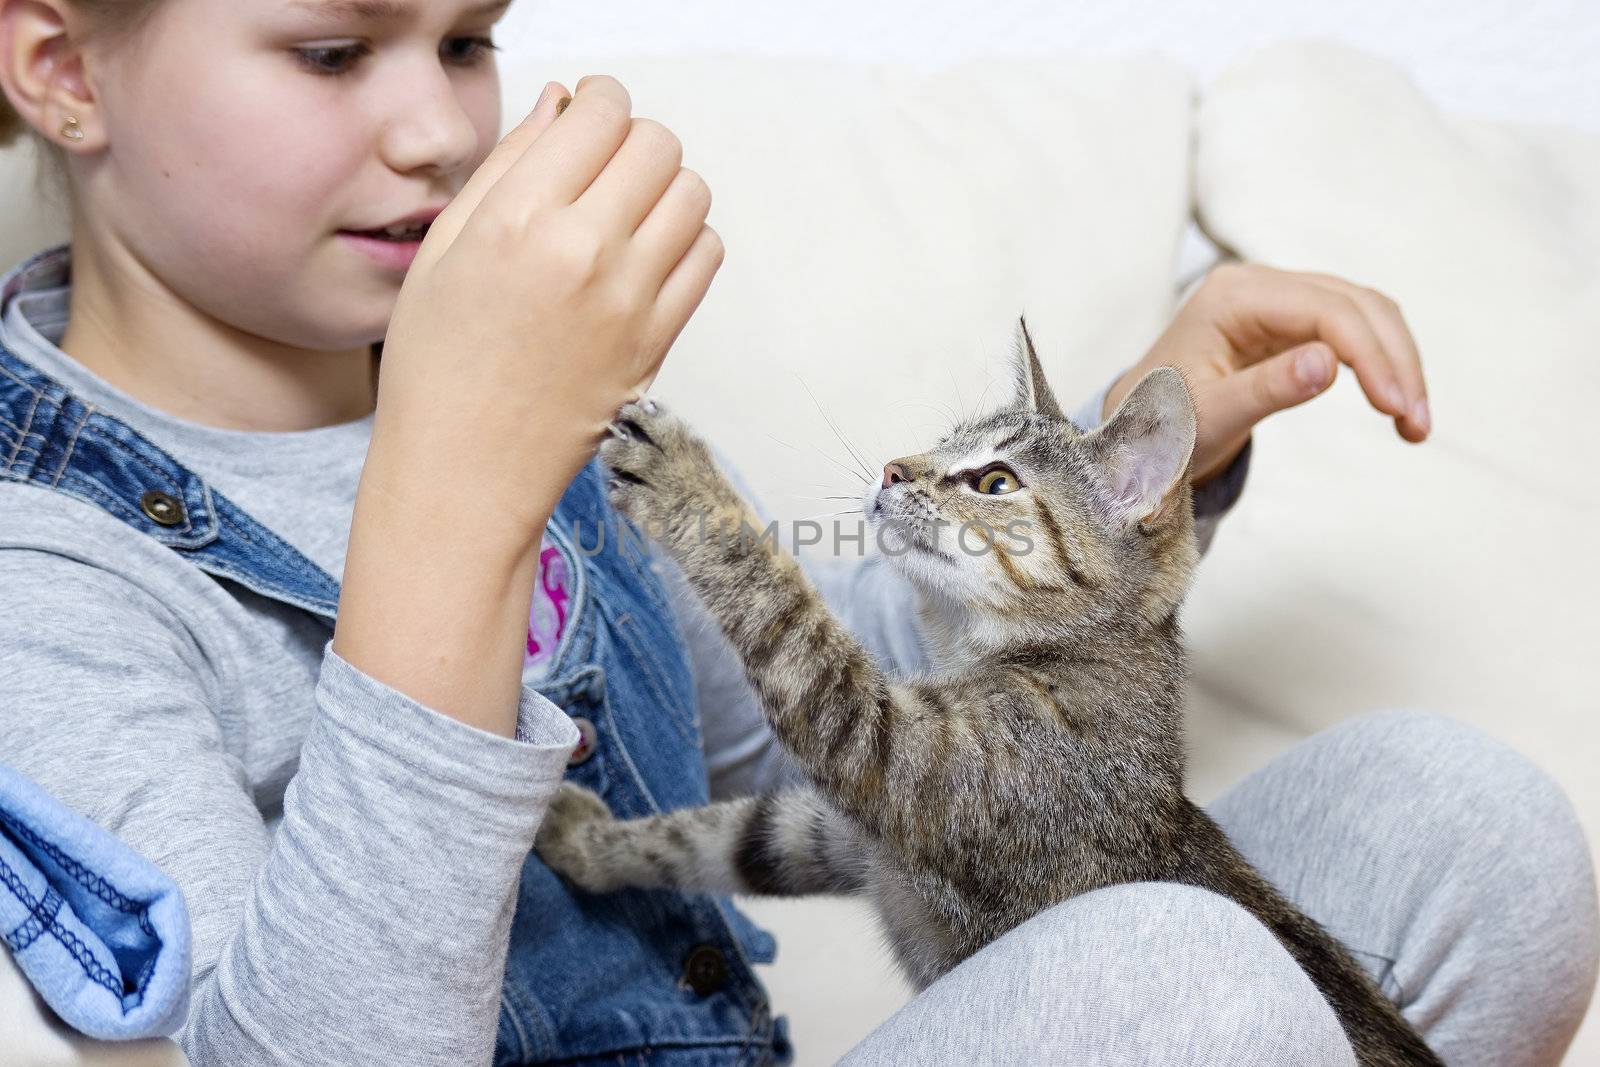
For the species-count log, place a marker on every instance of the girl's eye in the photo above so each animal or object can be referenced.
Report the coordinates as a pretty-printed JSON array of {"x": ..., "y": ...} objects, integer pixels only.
[
  {"x": 998, "y": 481},
  {"x": 339, "y": 59}
]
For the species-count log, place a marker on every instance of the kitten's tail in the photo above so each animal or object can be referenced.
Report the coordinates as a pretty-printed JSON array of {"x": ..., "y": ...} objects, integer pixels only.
[{"x": 1379, "y": 1034}]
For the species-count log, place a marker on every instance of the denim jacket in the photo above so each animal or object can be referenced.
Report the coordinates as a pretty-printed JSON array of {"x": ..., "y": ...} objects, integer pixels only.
[{"x": 638, "y": 977}]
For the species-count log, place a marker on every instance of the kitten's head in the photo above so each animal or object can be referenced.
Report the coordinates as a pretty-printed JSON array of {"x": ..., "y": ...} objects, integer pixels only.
[{"x": 1019, "y": 525}]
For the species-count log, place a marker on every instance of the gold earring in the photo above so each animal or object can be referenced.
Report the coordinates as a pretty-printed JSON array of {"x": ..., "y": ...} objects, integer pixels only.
[{"x": 71, "y": 130}]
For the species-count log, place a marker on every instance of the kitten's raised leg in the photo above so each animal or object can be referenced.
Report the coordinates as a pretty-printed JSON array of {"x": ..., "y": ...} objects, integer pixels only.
[
  {"x": 827, "y": 700},
  {"x": 778, "y": 844}
]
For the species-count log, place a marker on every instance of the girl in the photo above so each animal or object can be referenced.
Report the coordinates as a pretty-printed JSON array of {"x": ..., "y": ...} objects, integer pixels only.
[{"x": 346, "y": 777}]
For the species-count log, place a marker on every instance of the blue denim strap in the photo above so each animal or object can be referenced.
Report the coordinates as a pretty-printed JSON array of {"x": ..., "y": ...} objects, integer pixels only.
[{"x": 50, "y": 437}]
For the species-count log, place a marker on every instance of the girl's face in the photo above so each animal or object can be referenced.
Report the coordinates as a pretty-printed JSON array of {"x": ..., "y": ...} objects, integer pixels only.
[{"x": 245, "y": 134}]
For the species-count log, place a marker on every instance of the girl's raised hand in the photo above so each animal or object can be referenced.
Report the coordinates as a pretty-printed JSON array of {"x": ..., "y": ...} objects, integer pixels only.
[
  {"x": 545, "y": 295},
  {"x": 1252, "y": 340}
]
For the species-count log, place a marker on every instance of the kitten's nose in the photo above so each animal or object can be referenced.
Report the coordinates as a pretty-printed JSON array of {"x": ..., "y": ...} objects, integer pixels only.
[{"x": 895, "y": 472}]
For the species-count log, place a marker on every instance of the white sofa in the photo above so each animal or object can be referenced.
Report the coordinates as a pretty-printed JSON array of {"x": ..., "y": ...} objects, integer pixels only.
[{"x": 885, "y": 224}]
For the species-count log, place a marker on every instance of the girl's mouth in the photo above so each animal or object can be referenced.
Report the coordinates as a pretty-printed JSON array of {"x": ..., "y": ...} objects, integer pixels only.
[
  {"x": 392, "y": 252},
  {"x": 401, "y": 235}
]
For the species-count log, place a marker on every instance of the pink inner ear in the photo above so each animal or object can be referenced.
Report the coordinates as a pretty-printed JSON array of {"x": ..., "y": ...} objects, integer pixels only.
[{"x": 1139, "y": 479}]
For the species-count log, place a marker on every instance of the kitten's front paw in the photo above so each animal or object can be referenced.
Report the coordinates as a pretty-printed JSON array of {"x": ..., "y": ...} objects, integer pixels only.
[
  {"x": 662, "y": 474},
  {"x": 567, "y": 841}
]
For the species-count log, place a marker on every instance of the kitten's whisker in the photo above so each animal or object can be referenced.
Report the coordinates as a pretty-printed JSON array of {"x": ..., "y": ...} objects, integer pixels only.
[
  {"x": 947, "y": 412},
  {"x": 848, "y": 470},
  {"x": 955, "y": 387},
  {"x": 987, "y": 386},
  {"x": 865, "y": 466},
  {"x": 830, "y": 514},
  {"x": 818, "y": 485}
]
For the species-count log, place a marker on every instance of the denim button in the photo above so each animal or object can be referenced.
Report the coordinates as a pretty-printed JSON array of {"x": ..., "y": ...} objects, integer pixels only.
[
  {"x": 705, "y": 970},
  {"x": 586, "y": 741},
  {"x": 162, "y": 507}
]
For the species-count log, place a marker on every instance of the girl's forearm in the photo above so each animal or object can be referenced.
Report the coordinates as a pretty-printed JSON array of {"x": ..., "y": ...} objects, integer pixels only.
[{"x": 437, "y": 589}]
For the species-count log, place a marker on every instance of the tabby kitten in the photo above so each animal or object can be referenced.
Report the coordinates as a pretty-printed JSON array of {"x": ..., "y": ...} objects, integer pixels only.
[{"x": 1043, "y": 755}]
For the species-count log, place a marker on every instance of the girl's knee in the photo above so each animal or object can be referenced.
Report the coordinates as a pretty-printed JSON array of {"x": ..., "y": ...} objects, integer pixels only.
[
  {"x": 1478, "y": 773},
  {"x": 1501, "y": 827},
  {"x": 1199, "y": 969}
]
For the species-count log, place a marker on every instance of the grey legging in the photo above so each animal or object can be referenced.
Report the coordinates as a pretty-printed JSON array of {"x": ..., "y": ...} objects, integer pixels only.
[{"x": 1449, "y": 864}]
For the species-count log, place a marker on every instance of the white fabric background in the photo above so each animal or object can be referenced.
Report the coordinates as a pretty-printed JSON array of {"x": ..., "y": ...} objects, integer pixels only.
[{"x": 1534, "y": 60}]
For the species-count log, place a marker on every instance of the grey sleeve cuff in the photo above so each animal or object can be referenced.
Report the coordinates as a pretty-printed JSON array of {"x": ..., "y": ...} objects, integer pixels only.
[
  {"x": 391, "y": 884},
  {"x": 389, "y": 719}
]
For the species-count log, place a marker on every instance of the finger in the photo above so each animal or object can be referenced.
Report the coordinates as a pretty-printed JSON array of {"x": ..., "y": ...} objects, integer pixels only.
[
  {"x": 558, "y": 166},
  {"x": 627, "y": 189},
  {"x": 1235, "y": 403},
  {"x": 1284, "y": 381},
  {"x": 685, "y": 288},
  {"x": 672, "y": 227},
  {"x": 444, "y": 229},
  {"x": 1286, "y": 305},
  {"x": 1387, "y": 322}
]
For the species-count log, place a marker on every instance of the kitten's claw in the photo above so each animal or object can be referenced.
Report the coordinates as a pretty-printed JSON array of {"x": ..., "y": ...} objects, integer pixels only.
[{"x": 662, "y": 476}]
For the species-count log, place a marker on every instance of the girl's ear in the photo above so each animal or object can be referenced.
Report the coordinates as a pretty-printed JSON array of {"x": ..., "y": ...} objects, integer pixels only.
[
  {"x": 1032, "y": 391},
  {"x": 1140, "y": 455},
  {"x": 43, "y": 71}
]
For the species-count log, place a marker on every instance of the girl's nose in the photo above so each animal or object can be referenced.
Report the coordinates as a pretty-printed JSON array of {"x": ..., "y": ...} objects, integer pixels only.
[{"x": 895, "y": 472}]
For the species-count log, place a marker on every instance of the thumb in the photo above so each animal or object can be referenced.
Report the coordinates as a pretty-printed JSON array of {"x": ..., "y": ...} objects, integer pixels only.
[{"x": 1289, "y": 378}]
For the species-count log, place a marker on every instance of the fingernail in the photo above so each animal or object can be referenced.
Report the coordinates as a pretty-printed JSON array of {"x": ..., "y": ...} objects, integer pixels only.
[
  {"x": 1420, "y": 415},
  {"x": 1311, "y": 367},
  {"x": 561, "y": 105}
]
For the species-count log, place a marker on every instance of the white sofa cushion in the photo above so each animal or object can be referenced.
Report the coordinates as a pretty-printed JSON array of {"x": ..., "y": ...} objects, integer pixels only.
[{"x": 1458, "y": 575}]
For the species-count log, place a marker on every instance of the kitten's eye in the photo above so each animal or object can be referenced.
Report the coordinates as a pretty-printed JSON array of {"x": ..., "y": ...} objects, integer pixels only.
[{"x": 997, "y": 481}]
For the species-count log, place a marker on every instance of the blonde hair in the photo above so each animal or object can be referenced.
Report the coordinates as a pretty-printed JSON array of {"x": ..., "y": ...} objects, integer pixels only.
[{"x": 103, "y": 19}]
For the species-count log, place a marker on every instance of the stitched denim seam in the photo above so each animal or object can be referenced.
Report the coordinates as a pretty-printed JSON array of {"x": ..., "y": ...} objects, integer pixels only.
[
  {"x": 90, "y": 489},
  {"x": 251, "y": 582},
  {"x": 9, "y": 373},
  {"x": 33, "y": 411},
  {"x": 281, "y": 550},
  {"x": 72, "y": 443},
  {"x": 25, "y": 429},
  {"x": 156, "y": 473},
  {"x": 633, "y": 768},
  {"x": 681, "y": 722},
  {"x": 750, "y": 993}
]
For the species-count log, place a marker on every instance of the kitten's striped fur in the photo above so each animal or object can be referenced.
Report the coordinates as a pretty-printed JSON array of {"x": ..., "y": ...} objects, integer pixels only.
[{"x": 1042, "y": 758}]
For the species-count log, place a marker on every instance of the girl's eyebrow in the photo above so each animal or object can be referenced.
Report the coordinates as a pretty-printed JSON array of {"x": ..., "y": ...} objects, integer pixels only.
[{"x": 382, "y": 10}]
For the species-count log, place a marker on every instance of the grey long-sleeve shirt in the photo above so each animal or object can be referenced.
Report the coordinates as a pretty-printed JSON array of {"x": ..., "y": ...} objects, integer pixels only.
[{"x": 303, "y": 806}]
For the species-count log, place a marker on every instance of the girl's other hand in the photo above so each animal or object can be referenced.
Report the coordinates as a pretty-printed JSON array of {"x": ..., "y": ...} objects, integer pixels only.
[
  {"x": 1253, "y": 340},
  {"x": 544, "y": 296}
]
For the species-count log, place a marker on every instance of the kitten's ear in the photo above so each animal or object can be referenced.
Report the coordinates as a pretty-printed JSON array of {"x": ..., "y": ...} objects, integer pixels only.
[
  {"x": 1141, "y": 454},
  {"x": 1032, "y": 391}
]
